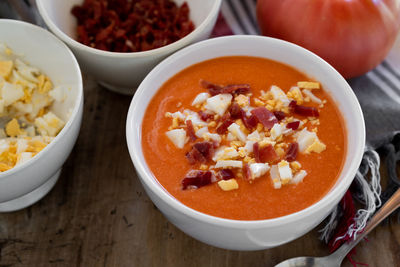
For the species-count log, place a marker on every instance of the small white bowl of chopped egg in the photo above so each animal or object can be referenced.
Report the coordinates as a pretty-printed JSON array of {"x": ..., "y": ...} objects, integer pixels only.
[
  {"x": 41, "y": 105},
  {"x": 236, "y": 234},
  {"x": 122, "y": 72}
]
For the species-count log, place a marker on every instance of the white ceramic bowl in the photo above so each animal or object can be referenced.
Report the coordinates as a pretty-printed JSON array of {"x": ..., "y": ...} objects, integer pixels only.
[
  {"x": 27, "y": 183},
  {"x": 235, "y": 234},
  {"x": 123, "y": 72}
]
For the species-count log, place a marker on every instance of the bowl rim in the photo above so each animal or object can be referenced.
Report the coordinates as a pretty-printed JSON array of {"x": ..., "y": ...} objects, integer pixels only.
[
  {"x": 157, "y": 51},
  {"x": 151, "y": 181},
  {"x": 75, "y": 110}
]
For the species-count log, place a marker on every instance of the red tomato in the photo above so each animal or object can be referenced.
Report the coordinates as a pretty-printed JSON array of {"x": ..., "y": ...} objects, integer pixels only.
[{"x": 354, "y": 36}]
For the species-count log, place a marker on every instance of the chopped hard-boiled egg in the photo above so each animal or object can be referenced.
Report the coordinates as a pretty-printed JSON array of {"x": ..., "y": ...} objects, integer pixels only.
[
  {"x": 49, "y": 124},
  {"x": 26, "y": 96},
  {"x": 280, "y": 95},
  {"x": 178, "y": 137},
  {"x": 312, "y": 96},
  {"x": 6, "y": 68},
  {"x": 309, "y": 142},
  {"x": 275, "y": 177},
  {"x": 276, "y": 131},
  {"x": 285, "y": 172},
  {"x": 200, "y": 99},
  {"x": 13, "y": 129},
  {"x": 296, "y": 95},
  {"x": 229, "y": 164},
  {"x": 230, "y": 141},
  {"x": 11, "y": 93},
  {"x": 219, "y": 103},
  {"x": 298, "y": 177},
  {"x": 235, "y": 130},
  {"x": 258, "y": 169},
  {"x": 228, "y": 185},
  {"x": 308, "y": 85}
]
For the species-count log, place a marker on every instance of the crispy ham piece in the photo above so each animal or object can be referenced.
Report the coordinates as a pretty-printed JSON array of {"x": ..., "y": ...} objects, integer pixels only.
[
  {"x": 265, "y": 117},
  {"x": 201, "y": 152},
  {"x": 264, "y": 154},
  {"x": 216, "y": 89},
  {"x": 190, "y": 130},
  {"x": 196, "y": 178},
  {"x": 303, "y": 110},
  {"x": 291, "y": 153},
  {"x": 294, "y": 125},
  {"x": 279, "y": 115},
  {"x": 226, "y": 174}
]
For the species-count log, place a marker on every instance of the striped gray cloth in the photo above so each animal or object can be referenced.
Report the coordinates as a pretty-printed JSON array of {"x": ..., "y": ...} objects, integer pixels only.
[{"x": 378, "y": 92}]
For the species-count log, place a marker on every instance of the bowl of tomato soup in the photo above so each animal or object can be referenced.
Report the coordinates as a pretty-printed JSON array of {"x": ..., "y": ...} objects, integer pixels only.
[{"x": 245, "y": 142}]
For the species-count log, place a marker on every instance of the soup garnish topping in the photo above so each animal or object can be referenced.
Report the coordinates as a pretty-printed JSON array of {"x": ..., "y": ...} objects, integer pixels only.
[{"x": 233, "y": 135}]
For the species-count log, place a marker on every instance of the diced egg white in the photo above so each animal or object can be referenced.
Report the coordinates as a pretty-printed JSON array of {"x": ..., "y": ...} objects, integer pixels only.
[
  {"x": 39, "y": 101},
  {"x": 4, "y": 145},
  {"x": 258, "y": 169},
  {"x": 298, "y": 177},
  {"x": 285, "y": 172},
  {"x": 276, "y": 179},
  {"x": 22, "y": 145},
  {"x": 200, "y": 132},
  {"x": 26, "y": 71},
  {"x": 218, "y": 153},
  {"x": 177, "y": 114},
  {"x": 59, "y": 93},
  {"x": 229, "y": 164},
  {"x": 254, "y": 136},
  {"x": 11, "y": 93},
  {"x": 235, "y": 130},
  {"x": 215, "y": 137},
  {"x": 219, "y": 103},
  {"x": 178, "y": 137},
  {"x": 194, "y": 117},
  {"x": 279, "y": 94},
  {"x": 23, "y": 108},
  {"x": 224, "y": 153},
  {"x": 305, "y": 138},
  {"x": 23, "y": 157},
  {"x": 49, "y": 124},
  {"x": 200, "y": 99},
  {"x": 276, "y": 131},
  {"x": 230, "y": 137},
  {"x": 249, "y": 146},
  {"x": 30, "y": 130},
  {"x": 312, "y": 96}
]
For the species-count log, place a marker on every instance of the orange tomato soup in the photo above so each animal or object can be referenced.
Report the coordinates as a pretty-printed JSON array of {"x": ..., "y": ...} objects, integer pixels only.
[{"x": 258, "y": 199}]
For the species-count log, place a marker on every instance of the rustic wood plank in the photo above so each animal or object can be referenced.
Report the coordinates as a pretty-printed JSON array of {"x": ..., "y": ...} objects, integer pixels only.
[{"x": 99, "y": 215}]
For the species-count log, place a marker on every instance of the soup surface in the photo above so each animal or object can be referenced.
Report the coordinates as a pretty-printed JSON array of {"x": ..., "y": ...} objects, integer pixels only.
[{"x": 251, "y": 199}]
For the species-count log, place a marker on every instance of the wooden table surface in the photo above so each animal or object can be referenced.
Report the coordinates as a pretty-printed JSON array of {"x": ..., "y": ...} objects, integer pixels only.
[{"x": 99, "y": 215}]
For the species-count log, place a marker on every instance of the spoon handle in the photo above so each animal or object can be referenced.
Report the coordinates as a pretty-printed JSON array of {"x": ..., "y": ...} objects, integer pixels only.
[{"x": 391, "y": 205}]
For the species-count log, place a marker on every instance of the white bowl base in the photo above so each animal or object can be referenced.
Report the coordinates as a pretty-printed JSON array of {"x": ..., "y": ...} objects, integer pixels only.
[
  {"x": 117, "y": 89},
  {"x": 30, "y": 198}
]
